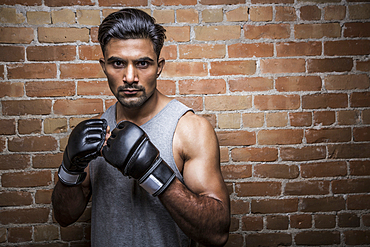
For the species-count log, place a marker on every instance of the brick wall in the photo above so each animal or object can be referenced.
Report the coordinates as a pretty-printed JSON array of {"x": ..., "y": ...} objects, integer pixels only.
[{"x": 285, "y": 83}]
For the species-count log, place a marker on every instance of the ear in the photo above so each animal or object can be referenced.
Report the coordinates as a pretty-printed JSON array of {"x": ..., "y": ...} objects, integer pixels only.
[
  {"x": 102, "y": 64},
  {"x": 161, "y": 63}
]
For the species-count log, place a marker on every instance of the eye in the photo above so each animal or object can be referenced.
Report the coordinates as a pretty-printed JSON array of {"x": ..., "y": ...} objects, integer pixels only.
[
  {"x": 118, "y": 64},
  {"x": 142, "y": 64}
]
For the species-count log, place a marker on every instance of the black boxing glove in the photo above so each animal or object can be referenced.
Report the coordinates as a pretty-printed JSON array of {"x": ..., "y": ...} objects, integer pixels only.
[
  {"x": 84, "y": 145},
  {"x": 130, "y": 151}
]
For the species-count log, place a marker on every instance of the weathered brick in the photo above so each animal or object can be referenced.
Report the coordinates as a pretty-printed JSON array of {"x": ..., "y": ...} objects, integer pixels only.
[
  {"x": 361, "y": 134},
  {"x": 317, "y": 31},
  {"x": 87, "y": 52},
  {"x": 239, "y": 14},
  {"x": 93, "y": 88},
  {"x": 15, "y": 198},
  {"x": 251, "y": 50},
  {"x": 359, "y": 11},
  {"x": 254, "y": 154},
  {"x": 224, "y": 103},
  {"x": 247, "y": 84},
  {"x": 268, "y": 31},
  {"x": 16, "y": 35},
  {"x": 177, "y": 33},
  {"x": 38, "y": 17},
  {"x": 12, "y": 53},
  {"x": 23, "y": 107},
  {"x": 51, "y": 53},
  {"x": 212, "y": 15},
  {"x": 280, "y": 136},
  {"x": 20, "y": 234},
  {"x": 10, "y": 15},
  {"x": 11, "y": 89},
  {"x": 63, "y": 16},
  {"x": 350, "y": 117},
  {"x": 310, "y": 13},
  {"x": 78, "y": 106},
  {"x": 172, "y": 2},
  {"x": 62, "y": 3},
  {"x": 357, "y": 237},
  {"x": 50, "y": 88},
  {"x": 359, "y": 167},
  {"x": 276, "y": 171},
  {"x": 29, "y": 126},
  {"x": 276, "y": 119},
  {"x": 324, "y": 169},
  {"x": 360, "y": 99},
  {"x": 358, "y": 202},
  {"x": 303, "y": 154},
  {"x": 323, "y": 117},
  {"x": 307, "y": 188},
  {"x": 298, "y": 83},
  {"x": 347, "y": 47},
  {"x": 329, "y": 65},
  {"x": 22, "y": 2},
  {"x": 236, "y": 171},
  {"x": 244, "y": 67},
  {"x": 72, "y": 233},
  {"x": 252, "y": 223},
  {"x": 276, "y": 66},
  {"x": 317, "y": 238},
  {"x": 196, "y": 103},
  {"x": 179, "y": 69},
  {"x": 32, "y": 71},
  {"x": 55, "y": 125},
  {"x": 277, "y": 222},
  {"x": 169, "y": 52},
  {"x": 194, "y": 51},
  {"x": 62, "y": 34},
  {"x": 236, "y": 138},
  {"x": 292, "y": 49},
  {"x": 239, "y": 207},
  {"x": 167, "y": 87},
  {"x": 187, "y": 16},
  {"x": 356, "y": 29},
  {"x": 24, "y": 216},
  {"x": 7, "y": 126},
  {"x": 47, "y": 160},
  {"x": 285, "y": 13},
  {"x": 229, "y": 120},
  {"x": 217, "y": 2},
  {"x": 269, "y": 239},
  {"x": 43, "y": 196},
  {"x": 346, "y": 82},
  {"x": 324, "y": 221},
  {"x": 81, "y": 71},
  {"x": 328, "y": 135},
  {"x": 14, "y": 161},
  {"x": 164, "y": 15},
  {"x": 267, "y": 206},
  {"x": 349, "y": 186},
  {"x": 345, "y": 151},
  {"x": 202, "y": 86},
  {"x": 300, "y": 119},
  {"x": 277, "y": 102},
  {"x": 212, "y": 33},
  {"x": 26, "y": 179},
  {"x": 253, "y": 120},
  {"x": 88, "y": 16},
  {"x": 270, "y": 188},
  {"x": 322, "y": 101},
  {"x": 325, "y": 204},
  {"x": 32, "y": 144},
  {"x": 300, "y": 221}
]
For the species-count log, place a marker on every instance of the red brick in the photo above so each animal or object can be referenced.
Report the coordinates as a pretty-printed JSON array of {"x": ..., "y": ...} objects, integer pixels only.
[
  {"x": 250, "y": 84},
  {"x": 317, "y": 238},
  {"x": 276, "y": 66},
  {"x": 270, "y": 188},
  {"x": 328, "y": 135},
  {"x": 227, "y": 103},
  {"x": 169, "y": 52},
  {"x": 47, "y": 160},
  {"x": 236, "y": 138},
  {"x": 93, "y": 88},
  {"x": 22, "y": 2},
  {"x": 87, "y": 52},
  {"x": 62, "y": 3},
  {"x": 277, "y": 102},
  {"x": 50, "y": 88},
  {"x": 357, "y": 237},
  {"x": 358, "y": 202},
  {"x": 202, "y": 86},
  {"x": 346, "y": 82},
  {"x": 267, "y": 206},
  {"x": 24, "y": 107},
  {"x": 276, "y": 171},
  {"x": 285, "y": 13},
  {"x": 254, "y": 154},
  {"x": 29, "y": 126},
  {"x": 269, "y": 239},
  {"x": 81, "y": 71},
  {"x": 15, "y": 198},
  {"x": 292, "y": 49},
  {"x": 276, "y": 119},
  {"x": 350, "y": 186},
  {"x": 361, "y": 134},
  {"x": 180, "y": 69},
  {"x": 236, "y": 171},
  {"x": 329, "y": 65},
  {"x": 323, "y": 117},
  {"x": 177, "y": 33},
  {"x": 277, "y": 222},
  {"x": 72, "y": 233},
  {"x": 345, "y": 151},
  {"x": 14, "y": 161},
  {"x": 19, "y": 234},
  {"x": 24, "y": 216},
  {"x": 46, "y": 233},
  {"x": 356, "y": 29},
  {"x": 1, "y": 72},
  {"x": 196, "y": 103},
  {"x": 323, "y": 221},
  {"x": 32, "y": 144},
  {"x": 300, "y": 221},
  {"x": 310, "y": 13},
  {"x": 11, "y": 89},
  {"x": 298, "y": 83},
  {"x": 12, "y": 53},
  {"x": 280, "y": 136},
  {"x": 251, "y": 50},
  {"x": 348, "y": 220},
  {"x": 78, "y": 106},
  {"x": 307, "y": 188},
  {"x": 360, "y": 99},
  {"x": 347, "y": 47},
  {"x": 252, "y": 223},
  {"x": 7, "y": 126},
  {"x": 214, "y": 33},
  {"x": 300, "y": 119},
  {"x": 171, "y": 2},
  {"x": 349, "y": 117},
  {"x": 244, "y": 67},
  {"x": 218, "y": 2},
  {"x": 325, "y": 204},
  {"x": 26, "y": 179},
  {"x": 359, "y": 167},
  {"x": 302, "y": 154},
  {"x": 43, "y": 196},
  {"x": 32, "y": 71},
  {"x": 324, "y": 169},
  {"x": 319, "y": 101},
  {"x": 51, "y": 53},
  {"x": 62, "y": 34},
  {"x": 16, "y": 35},
  {"x": 268, "y": 31},
  {"x": 167, "y": 87},
  {"x": 317, "y": 31},
  {"x": 94, "y": 34},
  {"x": 235, "y": 240},
  {"x": 199, "y": 51}
]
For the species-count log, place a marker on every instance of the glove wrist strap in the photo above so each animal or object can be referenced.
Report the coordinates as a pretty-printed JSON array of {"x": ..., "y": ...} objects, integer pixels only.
[{"x": 70, "y": 178}]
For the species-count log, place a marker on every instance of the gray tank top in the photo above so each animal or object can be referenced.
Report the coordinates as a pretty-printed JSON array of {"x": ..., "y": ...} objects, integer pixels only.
[{"x": 123, "y": 213}]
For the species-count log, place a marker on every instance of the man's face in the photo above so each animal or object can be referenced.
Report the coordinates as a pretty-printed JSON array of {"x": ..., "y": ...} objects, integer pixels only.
[{"x": 132, "y": 69}]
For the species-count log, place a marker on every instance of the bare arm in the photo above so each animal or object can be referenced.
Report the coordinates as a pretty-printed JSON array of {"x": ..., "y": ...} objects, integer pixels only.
[
  {"x": 69, "y": 202},
  {"x": 201, "y": 206}
]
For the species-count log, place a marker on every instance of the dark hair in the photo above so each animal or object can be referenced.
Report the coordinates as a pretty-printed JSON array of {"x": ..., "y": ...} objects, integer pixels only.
[{"x": 131, "y": 23}]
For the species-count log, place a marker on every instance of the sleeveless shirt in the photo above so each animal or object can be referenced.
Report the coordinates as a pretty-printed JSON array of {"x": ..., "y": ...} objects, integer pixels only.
[{"x": 122, "y": 212}]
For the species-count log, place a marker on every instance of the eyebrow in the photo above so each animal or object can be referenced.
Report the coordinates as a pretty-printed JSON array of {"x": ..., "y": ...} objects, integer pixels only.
[{"x": 113, "y": 58}]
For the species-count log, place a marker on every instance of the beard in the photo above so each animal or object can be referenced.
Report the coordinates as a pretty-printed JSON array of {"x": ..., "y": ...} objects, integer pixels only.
[{"x": 132, "y": 102}]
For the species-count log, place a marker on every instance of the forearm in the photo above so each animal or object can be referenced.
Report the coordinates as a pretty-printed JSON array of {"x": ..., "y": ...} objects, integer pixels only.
[
  {"x": 69, "y": 202},
  {"x": 202, "y": 218}
]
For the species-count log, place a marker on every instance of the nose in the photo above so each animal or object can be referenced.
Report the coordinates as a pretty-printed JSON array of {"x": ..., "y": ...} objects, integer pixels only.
[{"x": 130, "y": 75}]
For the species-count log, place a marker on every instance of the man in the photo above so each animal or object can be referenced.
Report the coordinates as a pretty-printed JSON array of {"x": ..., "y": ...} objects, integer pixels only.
[{"x": 157, "y": 181}]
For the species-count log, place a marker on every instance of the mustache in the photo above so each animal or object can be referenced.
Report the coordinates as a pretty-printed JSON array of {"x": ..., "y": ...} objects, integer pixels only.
[{"x": 131, "y": 87}]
